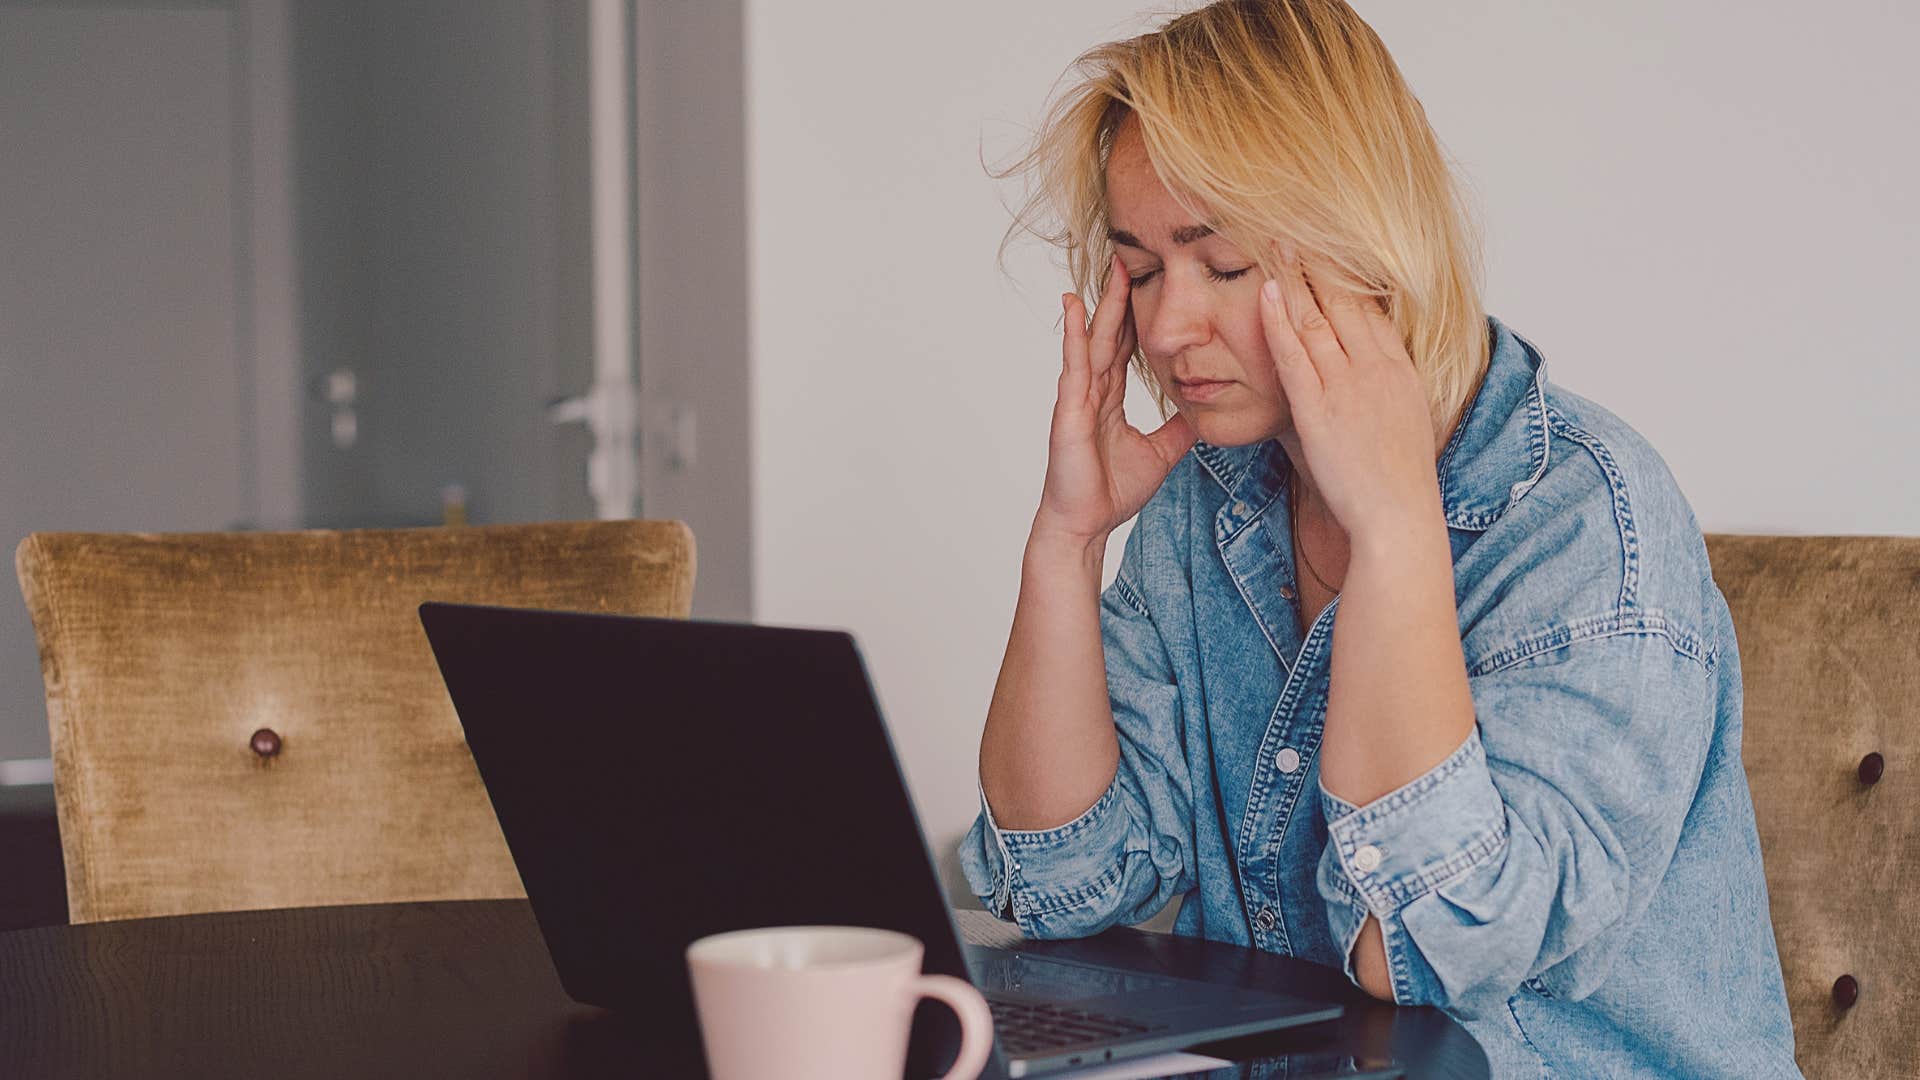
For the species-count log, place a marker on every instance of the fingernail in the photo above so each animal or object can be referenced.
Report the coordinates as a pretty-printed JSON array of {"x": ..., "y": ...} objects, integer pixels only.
[{"x": 1271, "y": 291}]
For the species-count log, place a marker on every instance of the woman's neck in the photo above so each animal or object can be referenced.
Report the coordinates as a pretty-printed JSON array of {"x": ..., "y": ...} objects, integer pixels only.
[{"x": 1306, "y": 497}]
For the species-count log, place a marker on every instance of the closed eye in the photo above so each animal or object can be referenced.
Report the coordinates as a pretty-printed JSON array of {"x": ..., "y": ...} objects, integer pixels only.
[{"x": 1137, "y": 280}]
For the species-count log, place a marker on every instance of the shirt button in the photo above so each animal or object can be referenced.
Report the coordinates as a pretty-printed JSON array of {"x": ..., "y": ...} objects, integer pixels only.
[
  {"x": 1287, "y": 760},
  {"x": 1286, "y": 592},
  {"x": 1265, "y": 920},
  {"x": 1367, "y": 859},
  {"x": 1239, "y": 509}
]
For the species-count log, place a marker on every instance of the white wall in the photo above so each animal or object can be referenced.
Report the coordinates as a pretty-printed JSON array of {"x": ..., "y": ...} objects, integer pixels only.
[
  {"x": 1702, "y": 212},
  {"x": 1695, "y": 210}
]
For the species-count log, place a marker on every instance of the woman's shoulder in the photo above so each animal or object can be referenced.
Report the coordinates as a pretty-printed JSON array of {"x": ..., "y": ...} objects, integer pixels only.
[
  {"x": 1603, "y": 536},
  {"x": 1605, "y": 468}
]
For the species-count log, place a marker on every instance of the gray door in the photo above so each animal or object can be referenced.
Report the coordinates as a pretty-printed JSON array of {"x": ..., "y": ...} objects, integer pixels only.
[
  {"x": 124, "y": 404},
  {"x": 436, "y": 191},
  {"x": 468, "y": 222},
  {"x": 444, "y": 219},
  {"x": 435, "y": 183}
]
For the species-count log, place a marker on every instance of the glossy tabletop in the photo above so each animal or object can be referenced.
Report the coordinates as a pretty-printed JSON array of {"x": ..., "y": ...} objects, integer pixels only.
[{"x": 465, "y": 989}]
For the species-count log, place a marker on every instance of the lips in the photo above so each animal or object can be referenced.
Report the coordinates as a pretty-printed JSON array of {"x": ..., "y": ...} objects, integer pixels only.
[{"x": 1201, "y": 389}]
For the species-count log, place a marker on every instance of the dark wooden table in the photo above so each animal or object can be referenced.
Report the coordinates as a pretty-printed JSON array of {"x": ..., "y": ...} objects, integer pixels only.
[{"x": 465, "y": 989}]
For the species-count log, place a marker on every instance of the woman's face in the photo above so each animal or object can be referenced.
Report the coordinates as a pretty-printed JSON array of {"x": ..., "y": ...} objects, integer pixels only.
[{"x": 1196, "y": 305}]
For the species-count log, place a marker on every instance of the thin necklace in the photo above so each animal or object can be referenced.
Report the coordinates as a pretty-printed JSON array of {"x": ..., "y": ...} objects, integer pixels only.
[{"x": 1293, "y": 523}]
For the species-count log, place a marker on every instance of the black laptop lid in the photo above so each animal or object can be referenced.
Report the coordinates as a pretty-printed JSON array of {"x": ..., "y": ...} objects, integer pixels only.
[{"x": 662, "y": 779}]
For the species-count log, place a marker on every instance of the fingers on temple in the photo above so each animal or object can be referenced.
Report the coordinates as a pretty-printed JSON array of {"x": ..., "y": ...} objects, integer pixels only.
[
  {"x": 1291, "y": 360},
  {"x": 1075, "y": 375},
  {"x": 1123, "y": 352},
  {"x": 1305, "y": 316},
  {"x": 1356, "y": 317},
  {"x": 1110, "y": 318}
]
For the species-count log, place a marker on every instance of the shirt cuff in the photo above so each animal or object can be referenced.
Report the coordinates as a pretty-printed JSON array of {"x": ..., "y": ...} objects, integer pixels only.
[
  {"x": 1043, "y": 879},
  {"x": 1383, "y": 856}
]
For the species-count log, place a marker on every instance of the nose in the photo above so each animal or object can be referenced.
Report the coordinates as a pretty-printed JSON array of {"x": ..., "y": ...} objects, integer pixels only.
[{"x": 1180, "y": 320}]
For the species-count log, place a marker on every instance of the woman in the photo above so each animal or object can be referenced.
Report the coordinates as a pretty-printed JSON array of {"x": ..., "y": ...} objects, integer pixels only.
[{"x": 1413, "y": 663}]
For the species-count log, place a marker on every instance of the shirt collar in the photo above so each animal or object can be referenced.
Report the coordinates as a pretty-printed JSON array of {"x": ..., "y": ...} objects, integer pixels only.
[{"x": 1497, "y": 453}]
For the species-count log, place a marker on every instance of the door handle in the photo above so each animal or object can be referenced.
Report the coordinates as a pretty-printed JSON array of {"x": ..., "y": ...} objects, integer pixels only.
[{"x": 608, "y": 410}]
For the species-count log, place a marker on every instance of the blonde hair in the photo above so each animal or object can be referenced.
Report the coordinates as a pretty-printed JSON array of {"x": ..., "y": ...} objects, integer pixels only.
[{"x": 1285, "y": 120}]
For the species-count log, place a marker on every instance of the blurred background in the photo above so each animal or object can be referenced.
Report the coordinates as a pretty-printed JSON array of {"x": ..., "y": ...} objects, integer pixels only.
[{"x": 347, "y": 263}]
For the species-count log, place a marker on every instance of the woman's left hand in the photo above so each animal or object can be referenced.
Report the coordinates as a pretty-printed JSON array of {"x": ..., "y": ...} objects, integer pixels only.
[{"x": 1359, "y": 407}]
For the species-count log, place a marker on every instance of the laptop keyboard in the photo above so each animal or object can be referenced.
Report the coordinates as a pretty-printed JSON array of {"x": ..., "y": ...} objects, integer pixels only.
[{"x": 1027, "y": 1027}]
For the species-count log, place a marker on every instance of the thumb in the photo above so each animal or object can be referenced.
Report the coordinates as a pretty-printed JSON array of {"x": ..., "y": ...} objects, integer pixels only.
[{"x": 1173, "y": 439}]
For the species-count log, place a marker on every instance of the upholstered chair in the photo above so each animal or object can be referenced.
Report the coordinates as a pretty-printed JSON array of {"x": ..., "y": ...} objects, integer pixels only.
[
  {"x": 255, "y": 720},
  {"x": 1829, "y": 633}
]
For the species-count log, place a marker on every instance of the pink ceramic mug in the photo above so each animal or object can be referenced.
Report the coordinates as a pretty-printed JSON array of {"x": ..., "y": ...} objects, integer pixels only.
[{"x": 819, "y": 1002}]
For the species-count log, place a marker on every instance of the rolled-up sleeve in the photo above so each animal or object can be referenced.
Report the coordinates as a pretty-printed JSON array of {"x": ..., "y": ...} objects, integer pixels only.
[
  {"x": 1129, "y": 853},
  {"x": 1525, "y": 854}
]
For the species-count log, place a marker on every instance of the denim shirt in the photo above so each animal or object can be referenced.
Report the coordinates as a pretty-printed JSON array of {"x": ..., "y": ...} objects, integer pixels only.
[{"x": 1579, "y": 883}]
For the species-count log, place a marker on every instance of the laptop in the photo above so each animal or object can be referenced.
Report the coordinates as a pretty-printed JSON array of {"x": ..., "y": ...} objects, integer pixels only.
[{"x": 658, "y": 780}]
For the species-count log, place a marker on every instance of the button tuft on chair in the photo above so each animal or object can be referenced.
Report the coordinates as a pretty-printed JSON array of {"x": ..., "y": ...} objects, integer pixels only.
[
  {"x": 1872, "y": 767},
  {"x": 265, "y": 742},
  {"x": 1846, "y": 991}
]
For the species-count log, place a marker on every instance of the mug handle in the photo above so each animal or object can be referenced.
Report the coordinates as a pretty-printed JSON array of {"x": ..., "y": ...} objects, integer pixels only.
[{"x": 976, "y": 1022}]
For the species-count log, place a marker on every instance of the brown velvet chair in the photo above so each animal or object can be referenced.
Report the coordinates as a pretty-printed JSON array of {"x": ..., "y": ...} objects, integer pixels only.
[
  {"x": 255, "y": 720},
  {"x": 1829, "y": 633}
]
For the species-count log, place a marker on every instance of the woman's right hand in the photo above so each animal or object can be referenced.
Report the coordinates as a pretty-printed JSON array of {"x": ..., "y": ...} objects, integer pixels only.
[{"x": 1100, "y": 469}]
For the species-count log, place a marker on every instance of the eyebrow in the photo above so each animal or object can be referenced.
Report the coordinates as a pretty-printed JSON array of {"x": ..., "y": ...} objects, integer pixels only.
[{"x": 1185, "y": 234}]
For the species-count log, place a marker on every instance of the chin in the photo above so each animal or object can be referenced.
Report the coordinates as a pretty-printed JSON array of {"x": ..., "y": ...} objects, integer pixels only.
[{"x": 1240, "y": 427}]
